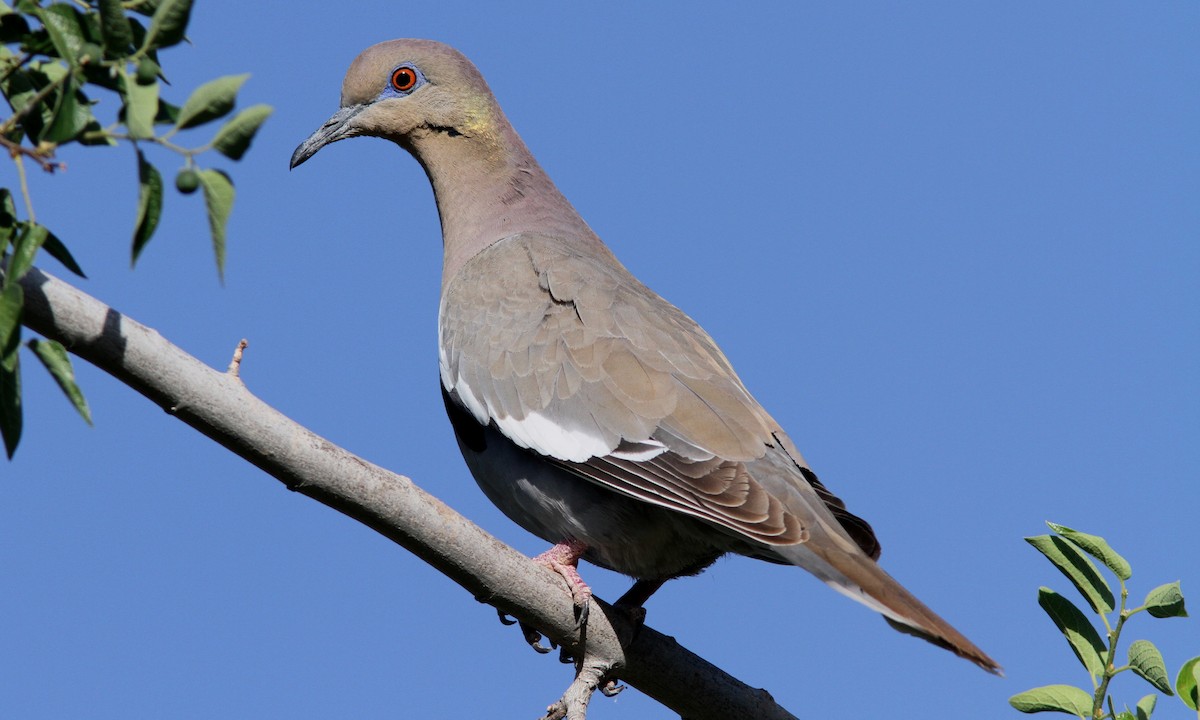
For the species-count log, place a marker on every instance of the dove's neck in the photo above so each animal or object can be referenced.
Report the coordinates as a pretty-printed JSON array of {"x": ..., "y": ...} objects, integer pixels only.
[{"x": 488, "y": 187}]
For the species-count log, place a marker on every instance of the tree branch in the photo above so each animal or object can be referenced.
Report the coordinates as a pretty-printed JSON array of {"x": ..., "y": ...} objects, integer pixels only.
[{"x": 220, "y": 406}]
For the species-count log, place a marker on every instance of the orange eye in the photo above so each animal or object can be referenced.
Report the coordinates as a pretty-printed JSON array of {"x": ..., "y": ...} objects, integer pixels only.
[{"x": 404, "y": 79}]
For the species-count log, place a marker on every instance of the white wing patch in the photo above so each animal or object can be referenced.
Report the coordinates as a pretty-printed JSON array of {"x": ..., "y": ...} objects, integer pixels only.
[
  {"x": 538, "y": 432},
  {"x": 639, "y": 451}
]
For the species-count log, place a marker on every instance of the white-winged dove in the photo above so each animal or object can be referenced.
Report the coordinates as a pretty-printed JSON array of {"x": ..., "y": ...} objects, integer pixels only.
[{"x": 593, "y": 412}]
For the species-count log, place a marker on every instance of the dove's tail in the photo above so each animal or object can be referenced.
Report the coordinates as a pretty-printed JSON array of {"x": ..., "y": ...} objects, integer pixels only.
[{"x": 845, "y": 568}]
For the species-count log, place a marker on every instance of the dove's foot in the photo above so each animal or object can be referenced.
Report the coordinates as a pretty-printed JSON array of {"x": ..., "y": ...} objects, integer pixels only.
[{"x": 563, "y": 559}]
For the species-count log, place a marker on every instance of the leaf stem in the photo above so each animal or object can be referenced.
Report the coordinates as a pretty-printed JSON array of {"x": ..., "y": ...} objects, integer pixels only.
[
  {"x": 19, "y": 159},
  {"x": 1114, "y": 634},
  {"x": 158, "y": 140}
]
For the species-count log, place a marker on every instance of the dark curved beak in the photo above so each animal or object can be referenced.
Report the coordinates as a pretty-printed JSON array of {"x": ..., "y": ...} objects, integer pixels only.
[{"x": 335, "y": 128}]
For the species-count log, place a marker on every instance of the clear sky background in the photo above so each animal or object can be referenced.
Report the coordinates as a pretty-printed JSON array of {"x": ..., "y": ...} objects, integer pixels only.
[{"x": 953, "y": 247}]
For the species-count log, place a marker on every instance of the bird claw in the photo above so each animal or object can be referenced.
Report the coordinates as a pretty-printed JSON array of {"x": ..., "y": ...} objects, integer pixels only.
[
  {"x": 611, "y": 688},
  {"x": 582, "y": 611},
  {"x": 534, "y": 638},
  {"x": 562, "y": 559}
]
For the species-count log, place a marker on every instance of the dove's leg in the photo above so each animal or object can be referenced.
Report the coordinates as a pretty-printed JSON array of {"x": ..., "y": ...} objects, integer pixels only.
[
  {"x": 563, "y": 559},
  {"x": 636, "y": 596}
]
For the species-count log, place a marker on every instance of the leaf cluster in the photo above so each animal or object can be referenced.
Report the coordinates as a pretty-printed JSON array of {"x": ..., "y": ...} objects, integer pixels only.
[
  {"x": 1073, "y": 553},
  {"x": 56, "y": 61}
]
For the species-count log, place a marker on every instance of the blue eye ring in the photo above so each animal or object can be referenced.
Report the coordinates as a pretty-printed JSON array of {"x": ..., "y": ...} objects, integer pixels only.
[{"x": 404, "y": 79}]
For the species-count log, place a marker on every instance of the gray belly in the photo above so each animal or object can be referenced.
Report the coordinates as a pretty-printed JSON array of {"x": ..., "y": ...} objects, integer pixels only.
[{"x": 622, "y": 534}]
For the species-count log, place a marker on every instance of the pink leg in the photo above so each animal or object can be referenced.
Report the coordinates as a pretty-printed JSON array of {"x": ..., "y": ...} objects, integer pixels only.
[{"x": 563, "y": 559}]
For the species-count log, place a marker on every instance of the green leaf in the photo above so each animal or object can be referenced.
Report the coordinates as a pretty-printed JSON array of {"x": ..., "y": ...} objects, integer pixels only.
[
  {"x": 1146, "y": 661},
  {"x": 1080, "y": 633},
  {"x": 150, "y": 200},
  {"x": 54, "y": 356},
  {"x": 13, "y": 28},
  {"x": 1054, "y": 698},
  {"x": 1145, "y": 707},
  {"x": 28, "y": 243},
  {"x": 167, "y": 113},
  {"x": 114, "y": 26},
  {"x": 234, "y": 137},
  {"x": 11, "y": 300},
  {"x": 66, "y": 32},
  {"x": 8, "y": 219},
  {"x": 145, "y": 7},
  {"x": 141, "y": 106},
  {"x": 210, "y": 101},
  {"x": 70, "y": 117},
  {"x": 1078, "y": 569},
  {"x": 168, "y": 24},
  {"x": 1187, "y": 683},
  {"x": 1095, "y": 546},
  {"x": 1166, "y": 601},
  {"x": 218, "y": 198},
  {"x": 10, "y": 406},
  {"x": 1125, "y": 715},
  {"x": 57, "y": 250},
  {"x": 21, "y": 88}
]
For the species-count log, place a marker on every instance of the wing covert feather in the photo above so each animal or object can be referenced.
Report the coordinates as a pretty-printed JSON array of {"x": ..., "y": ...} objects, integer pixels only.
[{"x": 571, "y": 356}]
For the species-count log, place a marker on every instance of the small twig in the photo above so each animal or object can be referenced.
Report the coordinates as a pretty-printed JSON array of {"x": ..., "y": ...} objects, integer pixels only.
[
  {"x": 573, "y": 704},
  {"x": 235, "y": 365},
  {"x": 594, "y": 670},
  {"x": 39, "y": 155},
  {"x": 1110, "y": 671}
]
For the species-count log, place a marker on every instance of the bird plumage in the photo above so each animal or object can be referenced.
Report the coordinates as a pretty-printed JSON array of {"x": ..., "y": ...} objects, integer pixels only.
[{"x": 587, "y": 407}]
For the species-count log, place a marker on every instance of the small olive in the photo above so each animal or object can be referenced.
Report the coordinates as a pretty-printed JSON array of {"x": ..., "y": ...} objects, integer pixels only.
[
  {"x": 187, "y": 181},
  {"x": 91, "y": 53},
  {"x": 147, "y": 71}
]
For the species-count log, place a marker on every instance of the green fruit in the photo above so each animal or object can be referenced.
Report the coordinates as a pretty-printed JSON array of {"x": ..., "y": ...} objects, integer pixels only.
[
  {"x": 91, "y": 53},
  {"x": 187, "y": 181},
  {"x": 147, "y": 71}
]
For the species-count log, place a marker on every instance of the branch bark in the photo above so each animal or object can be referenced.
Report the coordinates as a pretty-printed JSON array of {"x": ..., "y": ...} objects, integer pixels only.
[{"x": 220, "y": 406}]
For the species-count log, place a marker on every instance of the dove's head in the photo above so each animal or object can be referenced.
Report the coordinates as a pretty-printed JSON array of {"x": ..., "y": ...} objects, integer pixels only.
[{"x": 408, "y": 91}]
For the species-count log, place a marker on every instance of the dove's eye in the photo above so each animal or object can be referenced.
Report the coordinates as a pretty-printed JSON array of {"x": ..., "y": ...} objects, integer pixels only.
[{"x": 404, "y": 79}]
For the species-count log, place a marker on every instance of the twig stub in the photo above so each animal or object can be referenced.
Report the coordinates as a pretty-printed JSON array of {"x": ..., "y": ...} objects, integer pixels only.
[{"x": 235, "y": 365}]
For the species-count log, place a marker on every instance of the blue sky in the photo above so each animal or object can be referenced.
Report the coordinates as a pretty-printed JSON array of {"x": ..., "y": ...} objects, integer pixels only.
[{"x": 952, "y": 247}]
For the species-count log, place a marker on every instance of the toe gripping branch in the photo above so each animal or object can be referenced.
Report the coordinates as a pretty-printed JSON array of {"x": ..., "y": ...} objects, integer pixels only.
[
  {"x": 596, "y": 663},
  {"x": 594, "y": 670}
]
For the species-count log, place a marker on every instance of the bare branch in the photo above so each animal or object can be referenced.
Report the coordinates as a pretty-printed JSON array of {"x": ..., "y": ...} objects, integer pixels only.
[{"x": 219, "y": 405}]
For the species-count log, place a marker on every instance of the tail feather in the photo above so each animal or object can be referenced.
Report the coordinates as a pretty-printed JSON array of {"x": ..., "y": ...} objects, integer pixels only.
[{"x": 846, "y": 569}]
